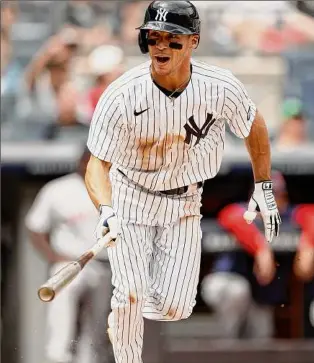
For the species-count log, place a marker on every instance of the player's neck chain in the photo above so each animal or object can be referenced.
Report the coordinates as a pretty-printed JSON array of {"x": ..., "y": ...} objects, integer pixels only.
[
  {"x": 181, "y": 87},
  {"x": 172, "y": 94}
]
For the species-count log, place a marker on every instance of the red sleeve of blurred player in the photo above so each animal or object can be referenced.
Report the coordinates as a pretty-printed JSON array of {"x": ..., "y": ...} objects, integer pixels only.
[
  {"x": 94, "y": 96},
  {"x": 247, "y": 235},
  {"x": 304, "y": 216}
]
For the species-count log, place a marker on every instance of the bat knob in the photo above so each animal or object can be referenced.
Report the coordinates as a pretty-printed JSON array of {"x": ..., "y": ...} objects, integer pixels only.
[{"x": 46, "y": 294}]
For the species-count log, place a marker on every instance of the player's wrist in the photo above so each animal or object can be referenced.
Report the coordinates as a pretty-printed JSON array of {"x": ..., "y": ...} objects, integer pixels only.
[
  {"x": 105, "y": 209},
  {"x": 263, "y": 185}
]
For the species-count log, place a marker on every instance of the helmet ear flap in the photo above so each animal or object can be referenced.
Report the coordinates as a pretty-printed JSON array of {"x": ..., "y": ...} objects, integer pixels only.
[{"x": 142, "y": 41}]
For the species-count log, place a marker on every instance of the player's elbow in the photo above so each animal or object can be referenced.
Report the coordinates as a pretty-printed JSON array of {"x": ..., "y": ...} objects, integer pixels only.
[
  {"x": 96, "y": 168},
  {"x": 97, "y": 180}
]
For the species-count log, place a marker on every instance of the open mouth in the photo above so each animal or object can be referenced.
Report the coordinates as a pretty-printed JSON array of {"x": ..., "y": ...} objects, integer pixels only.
[{"x": 162, "y": 59}]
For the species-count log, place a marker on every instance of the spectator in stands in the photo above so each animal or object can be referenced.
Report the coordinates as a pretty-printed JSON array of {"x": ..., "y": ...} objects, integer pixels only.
[
  {"x": 9, "y": 12},
  {"x": 87, "y": 18},
  {"x": 103, "y": 72},
  {"x": 80, "y": 13},
  {"x": 50, "y": 95},
  {"x": 61, "y": 224},
  {"x": 293, "y": 131},
  {"x": 274, "y": 26},
  {"x": 131, "y": 16},
  {"x": 242, "y": 302},
  {"x": 11, "y": 70}
]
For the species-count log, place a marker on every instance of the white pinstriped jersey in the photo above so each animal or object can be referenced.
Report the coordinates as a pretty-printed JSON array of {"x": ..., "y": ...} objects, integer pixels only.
[{"x": 164, "y": 143}]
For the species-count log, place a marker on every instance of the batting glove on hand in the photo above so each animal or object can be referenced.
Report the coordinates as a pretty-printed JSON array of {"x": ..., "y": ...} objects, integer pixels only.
[
  {"x": 107, "y": 223},
  {"x": 263, "y": 201}
]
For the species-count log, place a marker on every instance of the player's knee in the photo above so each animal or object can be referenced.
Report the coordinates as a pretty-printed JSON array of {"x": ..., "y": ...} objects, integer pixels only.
[{"x": 131, "y": 298}]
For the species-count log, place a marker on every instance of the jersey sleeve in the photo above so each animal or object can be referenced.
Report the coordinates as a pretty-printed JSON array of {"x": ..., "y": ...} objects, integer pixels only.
[
  {"x": 106, "y": 127},
  {"x": 39, "y": 218},
  {"x": 239, "y": 110}
]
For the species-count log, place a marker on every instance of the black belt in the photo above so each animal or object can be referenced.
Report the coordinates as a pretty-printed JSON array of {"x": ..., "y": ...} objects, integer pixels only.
[
  {"x": 175, "y": 191},
  {"x": 179, "y": 191}
]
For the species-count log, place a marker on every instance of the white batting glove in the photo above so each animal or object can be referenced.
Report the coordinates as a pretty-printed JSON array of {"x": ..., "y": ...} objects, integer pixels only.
[
  {"x": 107, "y": 223},
  {"x": 263, "y": 201}
]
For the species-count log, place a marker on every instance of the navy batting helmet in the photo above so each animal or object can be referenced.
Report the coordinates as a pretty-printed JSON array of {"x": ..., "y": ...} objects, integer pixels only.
[{"x": 176, "y": 17}]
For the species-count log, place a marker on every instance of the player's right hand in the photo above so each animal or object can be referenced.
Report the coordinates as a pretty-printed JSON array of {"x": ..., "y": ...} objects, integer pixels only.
[
  {"x": 264, "y": 201},
  {"x": 107, "y": 223}
]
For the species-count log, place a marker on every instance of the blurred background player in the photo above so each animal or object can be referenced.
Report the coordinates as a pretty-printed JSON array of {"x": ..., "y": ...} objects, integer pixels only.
[
  {"x": 61, "y": 223},
  {"x": 105, "y": 65},
  {"x": 293, "y": 131},
  {"x": 50, "y": 95},
  {"x": 242, "y": 302}
]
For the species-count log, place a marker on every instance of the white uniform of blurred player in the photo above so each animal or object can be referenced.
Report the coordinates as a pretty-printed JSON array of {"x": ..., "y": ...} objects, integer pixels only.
[{"x": 61, "y": 222}]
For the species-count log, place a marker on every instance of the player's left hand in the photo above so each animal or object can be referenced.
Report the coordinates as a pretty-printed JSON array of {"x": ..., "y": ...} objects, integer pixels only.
[{"x": 263, "y": 201}]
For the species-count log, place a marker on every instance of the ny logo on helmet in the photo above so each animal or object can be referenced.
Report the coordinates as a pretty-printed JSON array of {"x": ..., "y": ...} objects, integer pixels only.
[{"x": 161, "y": 15}]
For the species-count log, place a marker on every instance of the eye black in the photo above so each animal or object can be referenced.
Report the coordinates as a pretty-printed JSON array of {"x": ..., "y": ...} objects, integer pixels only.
[{"x": 151, "y": 41}]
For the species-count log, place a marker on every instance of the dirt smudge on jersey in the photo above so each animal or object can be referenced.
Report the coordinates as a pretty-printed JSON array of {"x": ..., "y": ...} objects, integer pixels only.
[
  {"x": 170, "y": 314},
  {"x": 132, "y": 299},
  {"x": 152, "y": 151}
]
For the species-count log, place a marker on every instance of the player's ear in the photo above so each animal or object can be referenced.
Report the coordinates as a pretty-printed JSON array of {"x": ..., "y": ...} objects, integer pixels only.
[{"x": 194, "y": 41}]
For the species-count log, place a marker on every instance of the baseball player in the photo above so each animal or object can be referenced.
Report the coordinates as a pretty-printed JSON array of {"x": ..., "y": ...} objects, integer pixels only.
[
  {"x": 243, "y": 303},
  {"x": 61, "y": 222},
  {"x": 157, "y": 133}
]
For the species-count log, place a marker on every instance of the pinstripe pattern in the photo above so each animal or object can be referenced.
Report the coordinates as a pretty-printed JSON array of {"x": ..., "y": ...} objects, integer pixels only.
[
  {"x": 157, "y": 143},
  {"x": 150, "y": 148},
  {"x": 155, "y": 263}
]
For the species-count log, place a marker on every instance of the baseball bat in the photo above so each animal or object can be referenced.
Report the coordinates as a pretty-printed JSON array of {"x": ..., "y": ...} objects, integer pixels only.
[{"x": 48, "y": 291}]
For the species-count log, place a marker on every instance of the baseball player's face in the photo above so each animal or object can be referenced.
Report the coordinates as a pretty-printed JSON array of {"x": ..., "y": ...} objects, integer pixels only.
[{"x": 165, "y": 59}]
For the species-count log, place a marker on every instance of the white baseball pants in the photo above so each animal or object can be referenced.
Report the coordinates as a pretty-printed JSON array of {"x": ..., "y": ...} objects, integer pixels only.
[{"x": 155, "y": 261}]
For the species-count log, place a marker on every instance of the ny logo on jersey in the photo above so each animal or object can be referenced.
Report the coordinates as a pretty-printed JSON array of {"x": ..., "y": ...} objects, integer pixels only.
[
  {"x": 194, "y": 130},
  {"x": 161, "y": 15}
]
